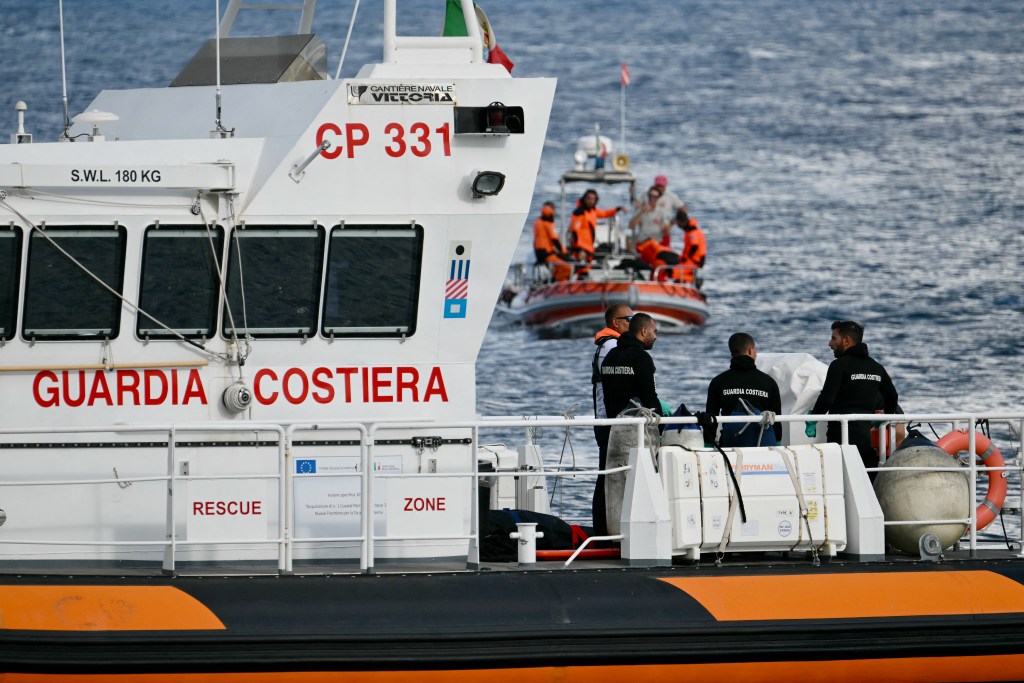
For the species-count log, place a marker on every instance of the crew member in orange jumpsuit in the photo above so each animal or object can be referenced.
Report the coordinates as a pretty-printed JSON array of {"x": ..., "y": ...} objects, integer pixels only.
[
  {"x": 583, "y": 229},
  {"x": 695, "y": 245},
  {"x": 546, "y": 245},
  {"x": 655, "y": 255}
]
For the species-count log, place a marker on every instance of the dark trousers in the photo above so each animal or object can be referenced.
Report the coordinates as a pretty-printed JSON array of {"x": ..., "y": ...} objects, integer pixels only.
[
  {"x": 598, "y": 509},
  {"x": 860, "y": 436}
]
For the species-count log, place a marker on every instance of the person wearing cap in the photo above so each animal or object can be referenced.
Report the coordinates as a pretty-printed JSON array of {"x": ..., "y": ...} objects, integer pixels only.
[
  {"x": 547, "y": 247},
  {"x": 583, "y": 229},
  {"x": 668, "y": 204}
]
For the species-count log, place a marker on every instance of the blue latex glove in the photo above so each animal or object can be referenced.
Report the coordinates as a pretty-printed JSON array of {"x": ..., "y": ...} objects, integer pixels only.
[
  {"x": 666, "y": 409},
  {"x": 811, "y": 429}
]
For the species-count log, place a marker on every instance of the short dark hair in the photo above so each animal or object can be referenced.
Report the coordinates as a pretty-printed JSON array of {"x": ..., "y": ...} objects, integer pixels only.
[
  {"x": 850, "y": 328},
  {"x": 739, "y": 343},
  {"x": 612, "y": 312},
  {"x": 639, "y": 322}
]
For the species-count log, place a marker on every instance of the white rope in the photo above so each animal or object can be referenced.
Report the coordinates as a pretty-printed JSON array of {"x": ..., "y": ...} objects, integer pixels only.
[
  {"x": 767, "y": 421},
  {"x": 651, "y": 421},
  {"x": 733, "y": 504},
  {"x": 798, "y": 490},
  {"x": 220, "y": 266},
  {"x": 569, "y": 414}
]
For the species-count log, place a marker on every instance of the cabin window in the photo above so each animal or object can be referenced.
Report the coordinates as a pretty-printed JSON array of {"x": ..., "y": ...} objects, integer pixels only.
[
  {"x": 10, "y": 273},
  {"x": 62, "y": 299},
  {"x": 278, "y": 270},
  {"x": 373, "y": 281},
  {"x": 179, "y": 282}
]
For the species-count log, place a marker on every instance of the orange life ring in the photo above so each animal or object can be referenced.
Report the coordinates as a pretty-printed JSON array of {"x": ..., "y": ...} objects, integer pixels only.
[{"x": 955, "y": 442}]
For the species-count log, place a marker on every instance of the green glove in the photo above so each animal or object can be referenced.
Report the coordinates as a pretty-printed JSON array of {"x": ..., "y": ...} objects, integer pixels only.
[
  {"x": 811, "y": 429},
  {"x": 666, "y": 409}
]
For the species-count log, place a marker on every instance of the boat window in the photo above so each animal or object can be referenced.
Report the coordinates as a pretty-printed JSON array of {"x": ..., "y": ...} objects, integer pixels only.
[
  {"x": 10, "y": 273},
  {"x": 62, "y": 300},
  {"x": 274, "y": 279},
  {"x": 373, "y": 278},
  {"x": 179, "y": 281}
]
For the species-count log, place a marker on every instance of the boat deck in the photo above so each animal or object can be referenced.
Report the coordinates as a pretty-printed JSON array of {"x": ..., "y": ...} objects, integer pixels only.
[{"x": 770, "y": 562}]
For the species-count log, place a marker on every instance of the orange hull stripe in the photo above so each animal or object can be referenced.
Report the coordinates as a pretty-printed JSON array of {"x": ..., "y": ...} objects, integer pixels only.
[
  {"x": 102, "y": 608},
  {"x": 853, "y": 596},
  {"x": 942, "y": 670}
]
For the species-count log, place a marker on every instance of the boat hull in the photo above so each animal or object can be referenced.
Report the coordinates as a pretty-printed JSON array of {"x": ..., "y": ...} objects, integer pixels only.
[
  {"x": 764, "y": 623},
  {"x": 576, "y": 308}
]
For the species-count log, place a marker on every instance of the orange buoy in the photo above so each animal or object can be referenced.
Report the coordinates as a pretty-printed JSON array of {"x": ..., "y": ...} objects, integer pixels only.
[{"x": 953, "y": 443}]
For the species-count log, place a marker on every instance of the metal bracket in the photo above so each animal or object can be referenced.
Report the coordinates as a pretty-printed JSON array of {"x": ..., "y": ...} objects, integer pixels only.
[{"x": 421, "y": 443}]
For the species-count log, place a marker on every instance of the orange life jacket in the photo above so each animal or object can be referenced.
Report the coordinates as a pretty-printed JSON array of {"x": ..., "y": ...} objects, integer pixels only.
[
  {"x": 606, "y": 332},
  {"x": 695, "y": 246},
  {"x": 545, "y": 241},
  {"x": 655, "y": 255},
  {"x": 583, "y": 229}
]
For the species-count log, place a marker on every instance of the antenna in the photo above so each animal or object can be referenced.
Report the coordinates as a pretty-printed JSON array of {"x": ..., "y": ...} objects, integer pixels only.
[
  {"x": 344, "y": 50},
  {"x": 220, "y": 129},
  {"x": 63, "y": 75}
]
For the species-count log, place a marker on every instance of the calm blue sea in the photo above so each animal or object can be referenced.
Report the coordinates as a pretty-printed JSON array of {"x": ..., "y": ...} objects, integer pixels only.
[{"x": 846, "y": 158}]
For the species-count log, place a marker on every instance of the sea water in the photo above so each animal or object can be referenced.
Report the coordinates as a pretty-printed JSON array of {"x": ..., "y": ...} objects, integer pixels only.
[{"x": 846, "y": 159}]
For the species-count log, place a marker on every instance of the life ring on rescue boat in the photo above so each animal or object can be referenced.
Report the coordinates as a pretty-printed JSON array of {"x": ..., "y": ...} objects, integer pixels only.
[{"x": 953, "y": 443}]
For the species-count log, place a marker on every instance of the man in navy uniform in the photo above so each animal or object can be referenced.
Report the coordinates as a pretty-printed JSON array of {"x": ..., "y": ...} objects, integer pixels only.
[
  {"x": 855, "y": 383},
  {"x": 743, "y": 381}
]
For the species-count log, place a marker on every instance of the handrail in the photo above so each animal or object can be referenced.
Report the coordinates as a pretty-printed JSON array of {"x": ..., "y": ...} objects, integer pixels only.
[
  {"x": 171, "y": 541},
  {"x": 392, "y": 41},
  {"x": 285, "y": 474}
]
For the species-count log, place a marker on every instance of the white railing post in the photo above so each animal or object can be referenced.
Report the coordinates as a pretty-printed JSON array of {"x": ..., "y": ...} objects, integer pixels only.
[
  {"x": 169, "y": 550},
  {"x": 972, "y": 483},
  {"x": 286, "y": 513},
  {"x": 366, "y": 483},
  {"x": 473, "y": 555},
  {"x": 1020, "y": 476}
]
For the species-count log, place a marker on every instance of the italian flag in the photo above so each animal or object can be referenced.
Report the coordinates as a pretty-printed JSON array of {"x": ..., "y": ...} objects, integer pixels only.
[{"x": 455, "y": 25}]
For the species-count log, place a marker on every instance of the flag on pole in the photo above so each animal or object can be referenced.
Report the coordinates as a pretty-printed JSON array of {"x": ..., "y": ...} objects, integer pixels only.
[
  {"x": 625, "y": 74},
  {"x": 455, "y": 25}
]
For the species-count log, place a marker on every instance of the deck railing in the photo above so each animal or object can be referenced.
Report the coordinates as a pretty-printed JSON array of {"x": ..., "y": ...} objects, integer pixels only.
[{"x": 284, "y": 474}]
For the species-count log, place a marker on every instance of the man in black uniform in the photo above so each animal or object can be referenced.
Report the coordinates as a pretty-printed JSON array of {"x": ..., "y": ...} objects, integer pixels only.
[
  {"x": 742, "y": 381},
  {"x": 628, "y": 370},
  {"x": 855, "y": 383}
]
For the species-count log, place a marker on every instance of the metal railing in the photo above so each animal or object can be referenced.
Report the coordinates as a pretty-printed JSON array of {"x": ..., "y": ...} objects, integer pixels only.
[{"x": 285, "y": 475}]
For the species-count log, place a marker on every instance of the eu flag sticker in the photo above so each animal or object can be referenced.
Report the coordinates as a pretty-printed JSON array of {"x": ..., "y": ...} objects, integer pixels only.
[{"x": 305, "y": 467}]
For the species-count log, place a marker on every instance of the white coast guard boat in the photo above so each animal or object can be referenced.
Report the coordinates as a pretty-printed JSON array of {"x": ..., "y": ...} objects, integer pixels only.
[
  {"x": 238, "y": 431},
  {"x": 574, "y": 307}
]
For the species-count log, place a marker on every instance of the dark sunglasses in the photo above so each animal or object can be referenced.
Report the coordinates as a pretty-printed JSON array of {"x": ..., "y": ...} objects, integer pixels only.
[{"x": 627, "y": 318}]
